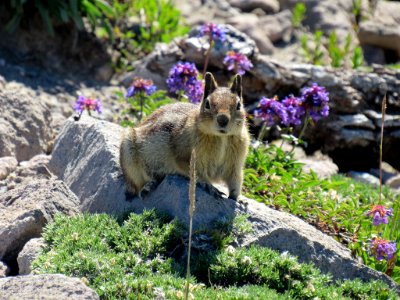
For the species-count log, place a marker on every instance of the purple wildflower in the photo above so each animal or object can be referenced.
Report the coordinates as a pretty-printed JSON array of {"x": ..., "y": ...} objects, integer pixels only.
[
  {"x": 294, "y": 110},
  {"x": 140, "y": 85},
  {"x": 183, "y": 77},
  {"x": 382, "y": 249},
  {"x": 271, "y": 111},
  {"x": 380, "y": 214},
  {"x": 214, "y": 31},
  {"x": 237, "y": 62},
  {"x": 88, "y": 104},
  {"x": 315, "y": 101}
]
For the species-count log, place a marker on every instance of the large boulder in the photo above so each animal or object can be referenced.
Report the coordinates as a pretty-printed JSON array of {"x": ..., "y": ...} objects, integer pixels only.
[
  {"x": 45, "y": 287},
  {"x": 382, "y": 30},
  {"x": 86, "y": 157},
  {"x": 25, "y": 210},
  {"x": 25, "y": 125}
]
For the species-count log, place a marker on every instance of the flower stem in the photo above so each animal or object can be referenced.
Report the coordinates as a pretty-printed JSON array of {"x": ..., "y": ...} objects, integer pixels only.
[
  {"x": 381, "y": 148},
  {"x": 192, "y": 199},
  {"x": 262, "y": 132},
  {"x": 141, "y": 101},
  {"x": 303, "y": 130},
  {"x": 207, "y": 56}
]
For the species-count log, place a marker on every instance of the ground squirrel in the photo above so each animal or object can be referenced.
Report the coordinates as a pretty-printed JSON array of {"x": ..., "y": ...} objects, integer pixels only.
[{"x": 163, "y": 142}]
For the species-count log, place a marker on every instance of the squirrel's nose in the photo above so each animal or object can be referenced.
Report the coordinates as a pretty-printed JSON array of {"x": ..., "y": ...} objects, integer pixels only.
[{"x": 222, "y": 120}]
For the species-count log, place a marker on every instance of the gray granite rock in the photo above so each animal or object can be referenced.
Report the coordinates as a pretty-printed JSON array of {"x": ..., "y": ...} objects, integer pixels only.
[
  {"x": 46, "y": 287},
  {"x": 321, "y": 164},
  {"x": 268, "y": 6},
  {"x": 28, "y": 254},
  {"x": 381, "y": 34},
  {"x": 278, "y": 26},
  {"x": 364, "y": 178},
  {"x": 394, "y": 182},
  {"x": 7, "y": 165},
  {"x": 4, "y": 270},
  {"x": 25, "y": 125},
  {"x": 86, "y": 158},
  {"x": 25, "y": 210},
  {"x": 195, "y": 47}
]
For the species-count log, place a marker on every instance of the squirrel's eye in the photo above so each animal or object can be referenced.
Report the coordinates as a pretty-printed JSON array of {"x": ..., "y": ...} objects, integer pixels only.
[
  {"x": 207, "y": 104},
  {"x": 238, "y": 106}
]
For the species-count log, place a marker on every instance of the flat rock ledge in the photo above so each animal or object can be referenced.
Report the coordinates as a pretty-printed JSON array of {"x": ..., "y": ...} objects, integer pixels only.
[
  {"x": 45, "y": 287},
  {"x": 86, "y": 157}
]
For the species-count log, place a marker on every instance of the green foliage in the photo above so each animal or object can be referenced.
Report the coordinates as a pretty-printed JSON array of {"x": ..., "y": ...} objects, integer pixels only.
[
  {"x": 357, "y": 59},
  {"x": 337, "y": 54},
  {"x": 97, "y": 248},
  {"x": 337, "y": 206},
  {"x": 228, "y": 231},
  {"x": 157, "y": 20},
  {"x": 143, "y": 104},
  {"x": 314, "y": 55},
  {"x": 356, "y": 10},
  {"x": 97, "y": 12},
  {"x": 132, "y": 259},
  {"x": 298, "y": 14}
]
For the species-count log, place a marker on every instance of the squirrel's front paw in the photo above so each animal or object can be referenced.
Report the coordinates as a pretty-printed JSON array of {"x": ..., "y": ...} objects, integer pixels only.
[
  {"x": 233, "y": 195},
  {"x": 213, "y": 191}
]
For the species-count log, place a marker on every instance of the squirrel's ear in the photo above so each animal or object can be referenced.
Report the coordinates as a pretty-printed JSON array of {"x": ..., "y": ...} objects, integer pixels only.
[
  {"x": 236, "y": 86},
  {"x": 210, "y": 84}
]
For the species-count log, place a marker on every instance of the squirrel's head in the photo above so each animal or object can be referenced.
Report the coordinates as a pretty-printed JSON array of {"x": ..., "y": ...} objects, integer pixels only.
[{"x": 222, "y": 110}]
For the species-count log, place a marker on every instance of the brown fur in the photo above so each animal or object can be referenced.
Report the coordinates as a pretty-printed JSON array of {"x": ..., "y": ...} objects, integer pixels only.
[{"x": 163, "y": 142}]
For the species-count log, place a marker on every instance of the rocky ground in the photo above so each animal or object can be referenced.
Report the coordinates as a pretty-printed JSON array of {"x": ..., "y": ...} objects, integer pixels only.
[{"x": 79, "y": 172}]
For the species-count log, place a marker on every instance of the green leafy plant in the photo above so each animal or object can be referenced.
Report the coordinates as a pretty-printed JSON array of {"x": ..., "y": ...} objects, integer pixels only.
[
  {"x": 357, "y": 59},
  {"x": 314, "y": 55},
  {"x": 97, "y": 12},
  {"x": 337, "y": 206},
  {"x": 357, "y": 10},
  {"x": 339, "y": 55},
  {"x": 298, "y": 14},
  {"x": 139, "y": 258},
  {"x": 142, "y": 107},
  {"x": 336, "y": 53},
  {"x": 139, "y": 25}
]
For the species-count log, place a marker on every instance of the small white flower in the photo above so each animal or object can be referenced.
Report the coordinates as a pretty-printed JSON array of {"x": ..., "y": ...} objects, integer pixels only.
[
  {"x": 230, "y": 249},
  {"x": 247, "y": 260}
]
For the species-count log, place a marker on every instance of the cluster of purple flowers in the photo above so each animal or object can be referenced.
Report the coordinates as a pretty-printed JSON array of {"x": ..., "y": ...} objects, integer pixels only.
[
  {"x": 271, "y": 111},
  {"x": 214, "y": 31},
  {"x": 380, "y": 214},
  {"x": 315, "y": 100},
  {"x": 89, "y": 104},
  {"x": 294, "y": 110},
  {"x": 140, "y": 86},
  {"x": 381, "y": 248},
  {"x": 237, "y": 62},
  {"x": 183, "y": 77},
  {"x": 289, "y": 112}
]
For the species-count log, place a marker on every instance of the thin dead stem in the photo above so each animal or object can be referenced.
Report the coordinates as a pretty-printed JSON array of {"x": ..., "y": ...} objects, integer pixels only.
[
  {"x": 381, "y": 148},
  {"x": 192, "y": 199}
]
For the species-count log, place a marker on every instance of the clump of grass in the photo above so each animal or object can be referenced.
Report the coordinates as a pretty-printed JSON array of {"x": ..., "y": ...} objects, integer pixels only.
[{"x": 140, "y": 258}]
